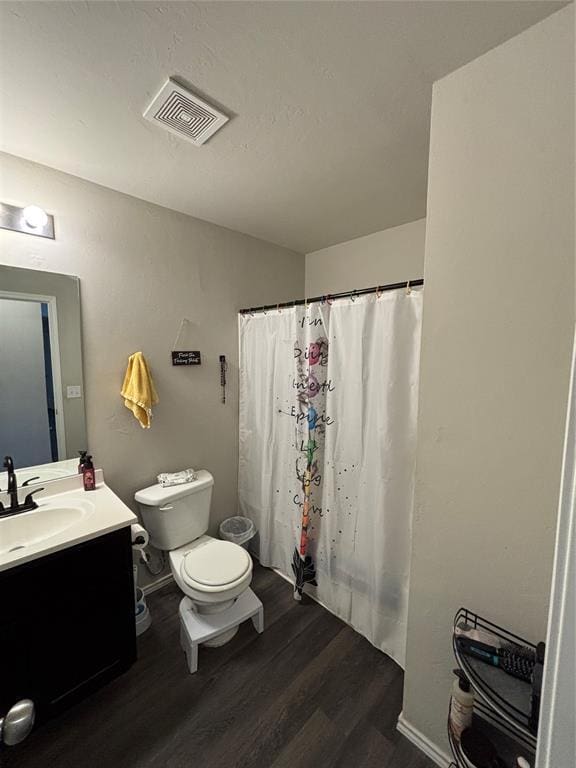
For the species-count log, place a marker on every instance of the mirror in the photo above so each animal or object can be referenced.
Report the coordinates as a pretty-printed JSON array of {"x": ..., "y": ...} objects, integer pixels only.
[{"x": 42, "y": 419}]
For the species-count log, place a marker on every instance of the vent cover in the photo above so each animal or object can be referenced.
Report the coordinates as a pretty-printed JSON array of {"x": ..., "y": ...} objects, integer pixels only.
[{"x": 184, "y": 114}]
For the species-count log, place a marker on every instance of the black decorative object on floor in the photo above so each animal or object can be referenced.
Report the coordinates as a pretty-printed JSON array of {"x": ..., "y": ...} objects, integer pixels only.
[{"x": 303, "y": 570}]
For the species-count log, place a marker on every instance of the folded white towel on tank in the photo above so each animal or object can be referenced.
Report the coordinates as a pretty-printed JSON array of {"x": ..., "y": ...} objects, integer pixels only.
[{"x": 177, "y": 478}]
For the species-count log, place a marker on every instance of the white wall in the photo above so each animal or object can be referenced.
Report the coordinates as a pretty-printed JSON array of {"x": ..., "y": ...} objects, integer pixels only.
[
  {"x": 497, "y": 332},
  {"x": 389, "y": 256},
  {"x": 142, "y": 269}
]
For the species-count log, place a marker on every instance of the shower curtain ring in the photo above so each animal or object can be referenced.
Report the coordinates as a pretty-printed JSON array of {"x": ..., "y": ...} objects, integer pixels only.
[
  {"x": 408, "y": 289},
  {"x": 278, "y": 308},
  {"x": 353, "y": 296},
  {"x": 378, "y": 292}
]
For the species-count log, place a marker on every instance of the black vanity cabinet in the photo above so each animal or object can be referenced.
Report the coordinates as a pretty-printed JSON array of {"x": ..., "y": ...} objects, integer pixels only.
[{"x": 66, "y": 623}]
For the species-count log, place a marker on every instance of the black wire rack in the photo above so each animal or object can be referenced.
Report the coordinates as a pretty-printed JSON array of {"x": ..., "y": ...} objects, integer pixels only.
[
  {"x": 503, "y": 703},
  {"x": 507, "y": 747},
  {"x": 461, "y": 759}
]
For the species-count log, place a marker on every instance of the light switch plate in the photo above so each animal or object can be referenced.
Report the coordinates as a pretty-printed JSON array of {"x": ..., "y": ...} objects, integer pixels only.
[{"x": 73, "y": 391}]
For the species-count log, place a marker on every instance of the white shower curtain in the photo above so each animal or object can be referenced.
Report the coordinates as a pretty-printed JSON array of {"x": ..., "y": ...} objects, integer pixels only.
[{"x": 328, "y": 405}]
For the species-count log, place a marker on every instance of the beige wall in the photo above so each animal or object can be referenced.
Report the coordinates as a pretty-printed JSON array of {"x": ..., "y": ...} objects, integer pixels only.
[
  {"x": 497, "y": 332},
  {"x": 142, "y": 269},
  {"x": 389, "y": 256}
]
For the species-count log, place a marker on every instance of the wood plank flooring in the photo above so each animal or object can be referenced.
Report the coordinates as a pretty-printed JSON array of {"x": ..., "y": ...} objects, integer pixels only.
[{"x": 308, "y": 693}]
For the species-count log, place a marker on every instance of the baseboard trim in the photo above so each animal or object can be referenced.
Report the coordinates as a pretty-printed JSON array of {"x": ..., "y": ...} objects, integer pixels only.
[
  {"x": 423, "y": 743},
  {"x": 158, "y": 584}
]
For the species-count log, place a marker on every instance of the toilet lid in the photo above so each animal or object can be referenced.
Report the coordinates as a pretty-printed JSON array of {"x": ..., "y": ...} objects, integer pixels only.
[{"x": 216, "y": 563}]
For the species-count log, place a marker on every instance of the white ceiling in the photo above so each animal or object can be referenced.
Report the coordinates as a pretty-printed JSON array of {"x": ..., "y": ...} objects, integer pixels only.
[{"x": 330, "y": 103}]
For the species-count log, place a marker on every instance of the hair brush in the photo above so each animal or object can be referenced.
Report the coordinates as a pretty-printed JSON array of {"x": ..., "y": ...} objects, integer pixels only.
[{"x": 515, "y": 660}]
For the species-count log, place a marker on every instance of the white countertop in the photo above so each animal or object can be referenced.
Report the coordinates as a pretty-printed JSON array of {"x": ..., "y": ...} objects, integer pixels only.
[{"x": 108, "y": 514}]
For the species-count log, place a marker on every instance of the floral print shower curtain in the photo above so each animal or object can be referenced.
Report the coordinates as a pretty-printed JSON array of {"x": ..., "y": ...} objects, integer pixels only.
[{"x": 328, "y": 403}]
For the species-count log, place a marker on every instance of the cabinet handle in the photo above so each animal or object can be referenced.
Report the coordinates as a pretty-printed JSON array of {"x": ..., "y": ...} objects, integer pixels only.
[{"x": 18, "y": 722}]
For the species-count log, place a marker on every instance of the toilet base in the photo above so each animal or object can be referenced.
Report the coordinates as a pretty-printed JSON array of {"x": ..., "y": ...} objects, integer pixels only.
[
  {"x": 215, "y": 629},
  {"x": 222, "y": 639}
]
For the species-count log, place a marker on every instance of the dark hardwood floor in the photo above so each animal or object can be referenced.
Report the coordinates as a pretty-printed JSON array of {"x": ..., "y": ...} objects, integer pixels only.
[{"x": 308, "y": 693}]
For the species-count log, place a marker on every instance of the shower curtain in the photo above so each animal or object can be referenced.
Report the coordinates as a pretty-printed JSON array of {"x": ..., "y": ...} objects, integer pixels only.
[{"x": 328, "y": 406}]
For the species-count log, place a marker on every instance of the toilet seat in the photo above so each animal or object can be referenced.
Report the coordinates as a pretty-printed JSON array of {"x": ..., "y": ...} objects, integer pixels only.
[
  {"x": 215, "y": 566},
  {"x": 204, "y": 594}
]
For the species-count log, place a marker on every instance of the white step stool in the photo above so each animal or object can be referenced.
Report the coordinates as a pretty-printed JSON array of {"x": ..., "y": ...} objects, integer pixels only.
[{"x": 196, "y": 628}]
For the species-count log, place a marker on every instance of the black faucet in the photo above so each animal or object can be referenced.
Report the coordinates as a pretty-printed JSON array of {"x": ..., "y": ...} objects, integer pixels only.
[
  {"x": 15, "y": 507},
  {"x": 12, "y": 484}
]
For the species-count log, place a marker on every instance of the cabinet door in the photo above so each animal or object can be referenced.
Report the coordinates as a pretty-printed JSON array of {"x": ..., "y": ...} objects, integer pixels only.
[
  {"x": 67, "y": 623},
  {"x": 17, "y": 628},
  {"x": 16, "y": 680}
]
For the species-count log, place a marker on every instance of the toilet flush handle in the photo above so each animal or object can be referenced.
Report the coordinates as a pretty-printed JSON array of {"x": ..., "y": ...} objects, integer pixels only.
[{"x": 166, "y": 508}]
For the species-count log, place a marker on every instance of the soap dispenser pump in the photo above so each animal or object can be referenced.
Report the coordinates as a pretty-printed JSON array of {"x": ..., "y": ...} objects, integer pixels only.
[
  {"x": 82, "y": 461},
  {"x": 89, "y": 474}
]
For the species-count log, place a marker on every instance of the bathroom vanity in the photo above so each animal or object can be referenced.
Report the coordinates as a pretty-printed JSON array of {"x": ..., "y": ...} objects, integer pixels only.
[{"x": 66, "y": 597}]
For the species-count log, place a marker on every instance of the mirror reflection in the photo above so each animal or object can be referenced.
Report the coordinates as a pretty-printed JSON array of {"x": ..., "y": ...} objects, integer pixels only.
[{"x": 42, "y": 418}]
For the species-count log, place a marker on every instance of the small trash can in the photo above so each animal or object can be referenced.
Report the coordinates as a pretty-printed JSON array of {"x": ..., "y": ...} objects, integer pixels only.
[
  {"x": 238, "y": 530},
  {"x": 143, "y": 618}
]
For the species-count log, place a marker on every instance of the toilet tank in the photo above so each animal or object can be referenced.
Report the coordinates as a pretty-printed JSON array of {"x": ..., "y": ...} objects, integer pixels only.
[{"x": 176, "y": 515}]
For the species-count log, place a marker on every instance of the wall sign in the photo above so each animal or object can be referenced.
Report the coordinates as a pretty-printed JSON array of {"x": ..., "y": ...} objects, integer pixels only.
[{"x": 186, "y": 358}]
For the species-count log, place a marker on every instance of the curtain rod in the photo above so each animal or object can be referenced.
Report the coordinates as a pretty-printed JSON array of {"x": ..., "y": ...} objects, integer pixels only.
[{"x": 331, "y": 296}]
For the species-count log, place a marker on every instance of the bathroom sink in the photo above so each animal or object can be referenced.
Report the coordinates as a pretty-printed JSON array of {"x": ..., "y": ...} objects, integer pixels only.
[
  {"x": 52, "y": 518},
  {"x": 66, "y": 516}
]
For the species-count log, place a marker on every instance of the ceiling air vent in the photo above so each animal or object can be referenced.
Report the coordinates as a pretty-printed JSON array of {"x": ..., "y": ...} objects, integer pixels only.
[{"x": 184, "y": 114}]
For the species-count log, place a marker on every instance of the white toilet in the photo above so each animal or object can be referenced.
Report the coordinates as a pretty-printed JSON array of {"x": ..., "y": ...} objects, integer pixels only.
[{"x": 213, "y": 574}]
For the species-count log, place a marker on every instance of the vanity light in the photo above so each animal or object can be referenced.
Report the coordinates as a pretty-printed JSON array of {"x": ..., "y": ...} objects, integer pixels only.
[
  {"x": 30, "y": 220},
  {"x": 35, "y": 217}
]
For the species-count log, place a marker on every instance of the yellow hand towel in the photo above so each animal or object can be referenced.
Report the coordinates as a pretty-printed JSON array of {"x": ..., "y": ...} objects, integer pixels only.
[{"x": 138, "y": 390}]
